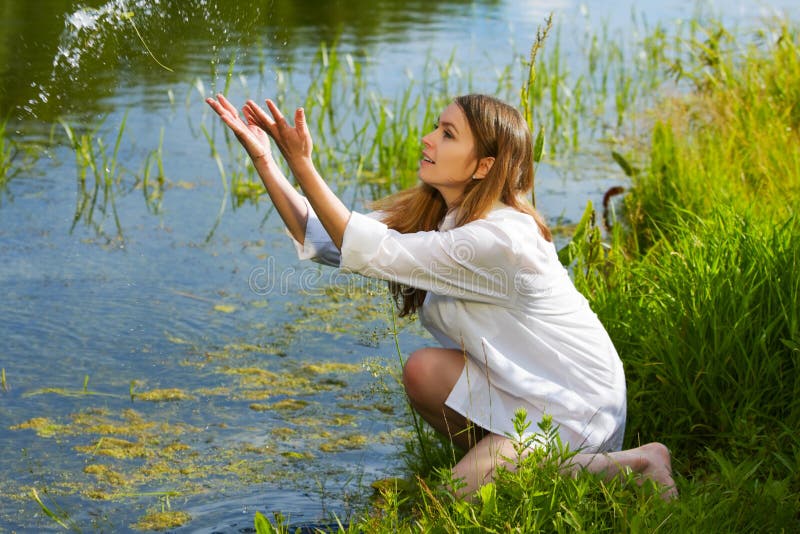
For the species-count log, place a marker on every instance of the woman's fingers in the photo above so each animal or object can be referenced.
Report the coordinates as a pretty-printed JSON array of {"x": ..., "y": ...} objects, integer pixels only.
[
  {"x": 258, "y": 116},
  {"x": 225, "y": 110},
  {"x": 279, "y": 118},
  {"x": 227, "y": 105},
  {"x": 300, "y": 121}
]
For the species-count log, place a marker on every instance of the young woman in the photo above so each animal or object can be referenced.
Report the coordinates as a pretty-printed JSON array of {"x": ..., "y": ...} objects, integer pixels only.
[{"x": 467, "y": 252}]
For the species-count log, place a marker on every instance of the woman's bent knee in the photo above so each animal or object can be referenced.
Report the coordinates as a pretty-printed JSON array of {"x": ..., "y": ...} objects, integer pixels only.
[
  {"x": 414, "y": 374},
  {"x": 429, "y": 374}
]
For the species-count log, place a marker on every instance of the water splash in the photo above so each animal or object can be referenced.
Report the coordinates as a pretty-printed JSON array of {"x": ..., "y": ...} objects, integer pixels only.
[
  {"x": 83, "y": 30},
  {"x": 101, "y": 49}
]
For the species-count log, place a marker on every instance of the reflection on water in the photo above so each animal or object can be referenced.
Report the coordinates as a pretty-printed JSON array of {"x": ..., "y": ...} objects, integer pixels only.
[
  {"x": 285, "y": 405},
  {"x": 70, "y": 60}
]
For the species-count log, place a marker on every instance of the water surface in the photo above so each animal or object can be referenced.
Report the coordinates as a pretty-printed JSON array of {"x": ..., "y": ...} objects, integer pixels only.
[{"x": 289, "y": 405}]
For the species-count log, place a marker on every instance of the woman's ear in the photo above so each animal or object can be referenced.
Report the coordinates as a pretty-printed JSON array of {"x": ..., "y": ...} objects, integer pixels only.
[{"x": 484, "y": 165}]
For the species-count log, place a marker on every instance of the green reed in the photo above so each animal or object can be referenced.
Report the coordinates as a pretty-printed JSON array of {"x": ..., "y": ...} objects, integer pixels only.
[
  {"x": 223, "y": 176},
  {"x": 7, "y": 153},
  {"x": 734, "y": 141},
  {"x": 99, "y": 175},
  {"x": 153, "y": 187},
  {"x": 369, "y": 143},
  {"x": 59, "y": 517}
]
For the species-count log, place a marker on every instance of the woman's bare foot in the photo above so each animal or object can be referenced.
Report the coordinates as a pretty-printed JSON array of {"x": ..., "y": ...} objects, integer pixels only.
[
  {"x": 650, "y": 461},
  {"x": 654, "y": 463}
]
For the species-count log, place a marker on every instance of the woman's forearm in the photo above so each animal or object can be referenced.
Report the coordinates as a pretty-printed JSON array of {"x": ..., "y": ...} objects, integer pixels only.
[
  {"x": 287, "y": 201},
  {"x": 330, "y": 210}
]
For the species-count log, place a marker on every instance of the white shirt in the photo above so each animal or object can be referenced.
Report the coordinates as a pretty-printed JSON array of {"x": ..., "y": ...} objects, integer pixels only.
[{"x": 497, "y": 291}]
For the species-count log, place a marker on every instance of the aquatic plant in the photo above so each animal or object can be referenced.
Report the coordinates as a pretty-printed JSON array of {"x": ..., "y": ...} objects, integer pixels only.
[
  {"x": 60, "y": 517},
  {"x": 98, "y": 172},
  {"x": 153, "y": 189},
  {"x": 7, "y": 154}
]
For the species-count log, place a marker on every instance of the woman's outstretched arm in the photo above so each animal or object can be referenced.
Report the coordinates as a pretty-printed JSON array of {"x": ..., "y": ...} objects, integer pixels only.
[
  {"x": 295, "y": 144},
  {"x": 290, "y": 204}
]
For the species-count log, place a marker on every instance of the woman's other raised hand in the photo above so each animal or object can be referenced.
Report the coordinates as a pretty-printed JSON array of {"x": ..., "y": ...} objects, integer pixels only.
[
  {"x": 250, "y": 134},
  {"x": 294, "y": 142}
]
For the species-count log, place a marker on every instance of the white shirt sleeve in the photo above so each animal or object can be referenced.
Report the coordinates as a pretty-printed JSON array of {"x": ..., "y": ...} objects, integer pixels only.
[
  {"x": 473, "y": 262},
  {"x": 317, "y": 245}
]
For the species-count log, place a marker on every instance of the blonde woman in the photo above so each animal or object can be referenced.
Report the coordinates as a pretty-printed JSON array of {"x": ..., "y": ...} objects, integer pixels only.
[{"x": 467, "y": 252}]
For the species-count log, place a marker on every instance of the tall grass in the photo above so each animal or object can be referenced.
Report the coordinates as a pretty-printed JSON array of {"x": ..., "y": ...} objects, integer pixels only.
[
  {"x": 700, "y": 292},
  {"x": 731, "y": 141},
  {"x": 714, "y": 290}
]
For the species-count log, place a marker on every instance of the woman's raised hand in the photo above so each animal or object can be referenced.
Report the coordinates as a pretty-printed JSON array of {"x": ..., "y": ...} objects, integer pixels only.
[
  {"x": 251, "y": 135},
  {"x": 294, "y": 142}
]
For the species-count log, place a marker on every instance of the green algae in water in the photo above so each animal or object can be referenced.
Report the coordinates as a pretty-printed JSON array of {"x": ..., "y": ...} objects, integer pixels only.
[
  {"x": 164, "y": 395},
  {"x": 283, "y": 405},
  {"x": 289, "y": 404},
  {"x": 129, "y": 454},
  {"x": 283, "y": 432},
  {"x": 44, "y": 427},
  {"x": 162, "y": 520},
  {"x": 332, "y": 367},
  {"x": 104, "y": 473},
  {"x": 115, "y": 448},
  {"x": 350, "y": 441},
  {"x": 294, "y": 455}
]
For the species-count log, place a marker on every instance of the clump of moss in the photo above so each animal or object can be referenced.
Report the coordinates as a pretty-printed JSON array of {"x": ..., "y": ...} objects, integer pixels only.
[
  {"x": 43, "y": 427},
  {"x": 294, "y": 455},
  {"x": 283, "y": 432},
  {"x": 103, "y": 473},
  {"x": 115, "y": 448},
  {"x": 98, "y": 494},
  {"x": 162, "y": 520},
  {"x": 289, "y": 404},
  {"x": 213, "y": 392},
  {"x": 164, "y": 395},
  {"x": 342, "y": 420},
  {"x": 352, "y": 441},
  {"x": 282, "y": 405},
  {"x": 332, "y": 367}
]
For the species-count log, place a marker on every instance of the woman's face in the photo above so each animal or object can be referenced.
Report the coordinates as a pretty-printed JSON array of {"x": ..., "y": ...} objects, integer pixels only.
[{"x": 448, "y": 156}]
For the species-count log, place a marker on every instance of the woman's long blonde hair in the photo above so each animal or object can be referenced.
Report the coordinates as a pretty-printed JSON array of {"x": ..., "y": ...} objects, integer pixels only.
[{"x": 499, "y": 131}]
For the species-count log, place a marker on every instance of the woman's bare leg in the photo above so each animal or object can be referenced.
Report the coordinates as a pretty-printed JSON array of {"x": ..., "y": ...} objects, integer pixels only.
[
  {"x": 428, "y": 376},
  {"x": 650, "y": 461},
  {"x": 478, "y": 466}
]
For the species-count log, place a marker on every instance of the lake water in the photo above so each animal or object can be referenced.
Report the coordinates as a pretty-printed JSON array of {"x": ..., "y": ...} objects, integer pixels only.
[{"x": 272, "y": 379}]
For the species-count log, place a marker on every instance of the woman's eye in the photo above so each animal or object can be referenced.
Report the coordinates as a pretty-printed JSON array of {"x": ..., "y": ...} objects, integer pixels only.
[{"x": 446, "y": 133}]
